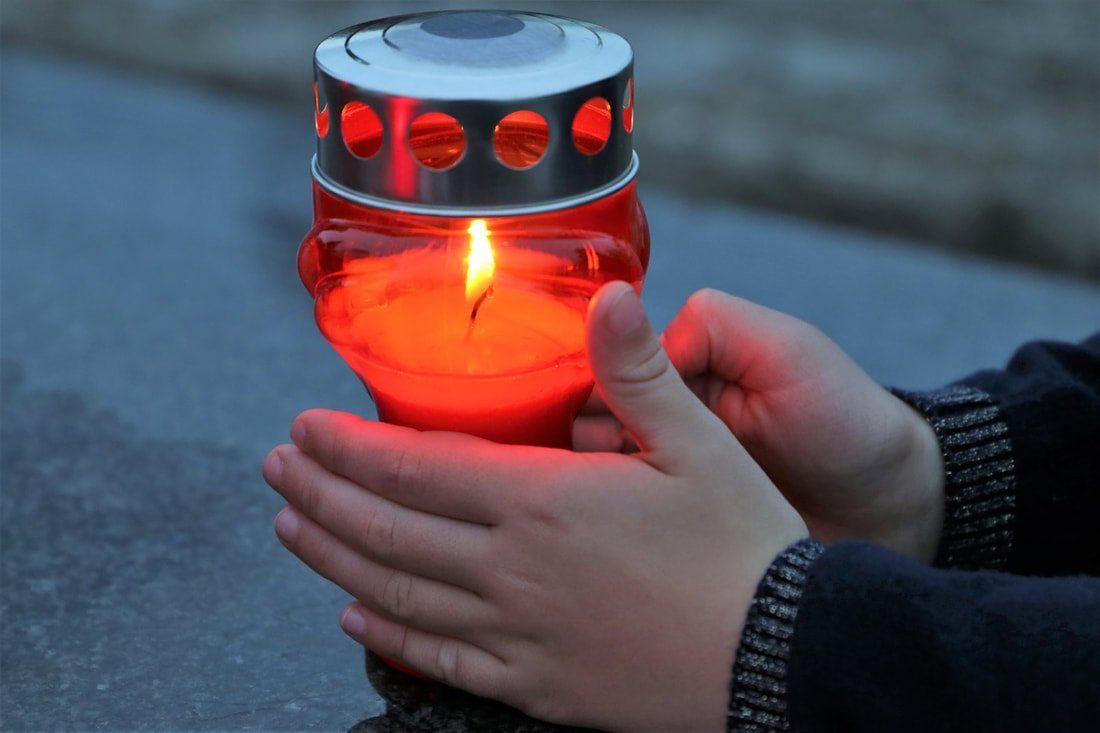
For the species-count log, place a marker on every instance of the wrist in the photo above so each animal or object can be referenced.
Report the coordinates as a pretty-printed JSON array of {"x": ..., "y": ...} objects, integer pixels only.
[{"x": 923, "y": 487}]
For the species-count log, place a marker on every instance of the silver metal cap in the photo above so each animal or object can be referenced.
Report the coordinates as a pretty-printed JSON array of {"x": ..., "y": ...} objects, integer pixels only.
[{"x": 477, "y": 67}]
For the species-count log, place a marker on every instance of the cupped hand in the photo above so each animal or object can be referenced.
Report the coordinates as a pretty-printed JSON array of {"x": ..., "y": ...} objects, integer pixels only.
[
  {"x": 854, "y": 460},
  {"x": 595, "y": 589}
]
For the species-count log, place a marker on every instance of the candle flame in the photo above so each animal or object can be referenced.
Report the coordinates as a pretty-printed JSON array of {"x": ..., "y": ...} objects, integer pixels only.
[{"x": 479, "y": 263}]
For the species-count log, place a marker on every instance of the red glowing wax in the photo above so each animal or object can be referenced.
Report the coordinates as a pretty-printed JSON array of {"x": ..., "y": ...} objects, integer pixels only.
[{"x": 392, "y": 298}]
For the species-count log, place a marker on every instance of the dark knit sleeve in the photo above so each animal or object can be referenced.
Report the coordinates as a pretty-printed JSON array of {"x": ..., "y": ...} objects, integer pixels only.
[
  {"x": 1021, "y": 448},
  {"x": 758, "y": 688},
  {"x": 883, "y": 643},
  {"x": 980, "y": 476},
  {"x": 855, "y": 637}
]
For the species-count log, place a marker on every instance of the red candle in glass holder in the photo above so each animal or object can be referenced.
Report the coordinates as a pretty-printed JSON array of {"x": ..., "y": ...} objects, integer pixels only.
[{"x": 473, "y": 188}]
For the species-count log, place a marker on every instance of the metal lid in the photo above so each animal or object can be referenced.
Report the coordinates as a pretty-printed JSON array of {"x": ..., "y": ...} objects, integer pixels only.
[{"x": 477, "y": 67}]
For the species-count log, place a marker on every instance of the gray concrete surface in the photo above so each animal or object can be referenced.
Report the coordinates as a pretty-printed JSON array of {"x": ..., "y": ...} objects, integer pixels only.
[
  {"x": 970, "y": 124},
  {"x": 156, "y": 342}
]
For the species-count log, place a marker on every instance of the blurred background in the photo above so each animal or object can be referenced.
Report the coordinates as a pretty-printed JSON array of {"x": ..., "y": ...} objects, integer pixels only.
[
  {"x": 918, "y": 179},
  {"x": 971, "y": 126}
]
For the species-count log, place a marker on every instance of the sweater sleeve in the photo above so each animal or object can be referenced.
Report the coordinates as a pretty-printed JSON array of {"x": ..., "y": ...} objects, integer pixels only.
[
  {"x": 885, "y": 643},
  {"x": 1022, "y": 451},
  {"x": 861, "y": 639}
]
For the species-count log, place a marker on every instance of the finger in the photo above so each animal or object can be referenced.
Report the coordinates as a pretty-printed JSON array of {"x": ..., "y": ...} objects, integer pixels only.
[
  {"x": 738, "y": 340},
  {"x": 447, "y": 474},
  {"x": 426, "y": 604},
  {"x": 423, "y": 544},
  {"x": 452, "y": 661},
  {"x": 603, "y": 434},
  {"x": 638, "y": 383}
]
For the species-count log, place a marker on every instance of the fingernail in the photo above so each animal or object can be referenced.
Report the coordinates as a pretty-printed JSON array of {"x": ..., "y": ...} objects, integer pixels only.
[
  {"x": 298, "y": 432},
  {"x": 626, "y": 314},
  {"x": 352, "y": 622},
  {"x": 273, "y": 465},
  {"x": 287, "y": 524}
]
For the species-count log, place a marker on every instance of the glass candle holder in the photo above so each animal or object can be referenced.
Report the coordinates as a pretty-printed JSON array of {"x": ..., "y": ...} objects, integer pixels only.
[{"x": 470, "y": 324}]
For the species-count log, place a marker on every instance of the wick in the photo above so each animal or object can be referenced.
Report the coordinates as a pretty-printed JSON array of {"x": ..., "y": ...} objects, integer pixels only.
[{"x": 477, "y": 304}]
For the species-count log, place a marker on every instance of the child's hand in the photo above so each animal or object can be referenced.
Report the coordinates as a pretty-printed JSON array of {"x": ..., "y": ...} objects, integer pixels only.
[
  {"x": 594, "y": 589},
  {"x": 852, "y": 458}
]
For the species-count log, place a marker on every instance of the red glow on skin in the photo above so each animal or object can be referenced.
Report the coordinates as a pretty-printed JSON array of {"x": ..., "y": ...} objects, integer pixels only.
[{"x": 391, "y": 297}]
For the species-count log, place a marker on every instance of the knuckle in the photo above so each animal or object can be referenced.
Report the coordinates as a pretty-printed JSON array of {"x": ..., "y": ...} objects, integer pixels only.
[
  {"x": 648, "y": 366},
  {"x": 379, "y": 533},
  {"x": 322, "y": 556},
  {"x": 338, "y": 453},
  {"x": 705, "y": 301},
  {"x": 397, "y": 595},
  {"x": 447, "y": 665},
  {"x": 401, "y": 643},
  {"x": 547, "y": 507},
  {"x": 554, "y": 494},
  {"x": 311, "y": 496},
  {"x": 406, "y": 471}
]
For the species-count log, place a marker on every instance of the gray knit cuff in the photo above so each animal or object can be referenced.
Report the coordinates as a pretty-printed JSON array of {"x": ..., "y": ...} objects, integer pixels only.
[
  {"x": 980, "y": 480},
  {"x": 758, "y": 689}
]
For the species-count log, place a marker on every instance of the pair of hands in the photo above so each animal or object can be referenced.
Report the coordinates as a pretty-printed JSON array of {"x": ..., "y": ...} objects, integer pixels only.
[{"x": 608, "y": 587}]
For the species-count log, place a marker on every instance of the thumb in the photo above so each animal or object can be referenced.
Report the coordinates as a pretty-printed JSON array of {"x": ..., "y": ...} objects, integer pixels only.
[{"x": 639, "y": 384}]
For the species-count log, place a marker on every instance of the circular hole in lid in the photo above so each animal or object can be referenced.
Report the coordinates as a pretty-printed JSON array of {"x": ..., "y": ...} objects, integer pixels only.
[
  {"x": 592, "y": 126},
  {"x": 436, "y": 140},
  {"x": 520, "y": 139},
  {"x": 361, "y": 128},
  {"x": 628, "y": 106},
  {"x": 320, "y": 115}
]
